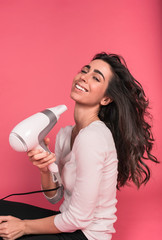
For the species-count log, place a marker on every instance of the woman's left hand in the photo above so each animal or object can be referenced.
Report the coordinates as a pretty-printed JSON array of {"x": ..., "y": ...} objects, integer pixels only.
[{"x": 11, "y": 227}]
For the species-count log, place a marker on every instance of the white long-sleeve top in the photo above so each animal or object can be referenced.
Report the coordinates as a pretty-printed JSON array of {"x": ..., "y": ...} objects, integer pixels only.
[{"x": 89, "y": 176}]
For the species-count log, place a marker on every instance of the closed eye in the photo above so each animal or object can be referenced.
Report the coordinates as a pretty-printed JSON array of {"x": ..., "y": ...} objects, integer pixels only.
[
  {"x": 96, "y": 79},
  {"x": 83, "y": 71}
]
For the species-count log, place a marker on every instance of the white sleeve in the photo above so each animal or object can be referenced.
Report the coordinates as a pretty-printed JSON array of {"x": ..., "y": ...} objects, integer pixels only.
[
  {"x": 58, "y": 196},
  {"x": 90, "y": 155}
]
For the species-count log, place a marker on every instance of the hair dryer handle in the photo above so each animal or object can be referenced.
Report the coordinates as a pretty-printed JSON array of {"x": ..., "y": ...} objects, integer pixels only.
[{"x": 53, "y": 166}]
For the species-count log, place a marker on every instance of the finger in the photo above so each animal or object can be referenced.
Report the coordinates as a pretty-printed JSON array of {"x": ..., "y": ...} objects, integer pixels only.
[
  {"x": 4, "y": 218},
  {"x": 39, "y": 156},
  {"x": 34, "y": 152},
  {"x": 3, "y": 225},
  {"x": 4, "y": 236},
  {"x": 45, "y": 164},
  {"x": 47, "y": 160},
  {"x": 49, "y": 157},
  {"x": 2, "y": 228}
]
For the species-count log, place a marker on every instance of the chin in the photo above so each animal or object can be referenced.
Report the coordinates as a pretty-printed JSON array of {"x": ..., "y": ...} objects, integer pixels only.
[
  {"x": 74, "y": 96},
  {"x": 76, "y": 99},
  {"x": 71, "y": 95}
]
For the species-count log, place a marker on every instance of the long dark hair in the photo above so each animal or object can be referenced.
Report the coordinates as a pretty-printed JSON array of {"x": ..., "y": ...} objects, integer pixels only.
[{"x": 126, "y": 116}]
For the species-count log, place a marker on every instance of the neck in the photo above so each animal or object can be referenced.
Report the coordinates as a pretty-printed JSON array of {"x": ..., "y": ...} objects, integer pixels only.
[{"x": 84, "y": 115}]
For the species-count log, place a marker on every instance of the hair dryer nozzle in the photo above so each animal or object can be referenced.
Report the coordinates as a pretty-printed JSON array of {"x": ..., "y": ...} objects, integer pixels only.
[{"x": 58, "y": 110}]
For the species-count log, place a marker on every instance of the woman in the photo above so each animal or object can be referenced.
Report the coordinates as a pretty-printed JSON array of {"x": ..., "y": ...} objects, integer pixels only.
[{"x": 105, "y": 149}]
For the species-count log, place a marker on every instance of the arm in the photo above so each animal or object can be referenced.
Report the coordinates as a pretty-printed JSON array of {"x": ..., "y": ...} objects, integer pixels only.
[
  {"x": 47, "y": 183},
  {"x": 47, "y": 178},
  {"x": 42, "y": 159},
  {"x": 41, "y": 226},
  {"x": 13, "y": 228}
]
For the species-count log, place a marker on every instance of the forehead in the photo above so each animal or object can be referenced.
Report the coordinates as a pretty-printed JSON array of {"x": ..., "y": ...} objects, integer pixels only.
[{"x": 102, "y": 66}]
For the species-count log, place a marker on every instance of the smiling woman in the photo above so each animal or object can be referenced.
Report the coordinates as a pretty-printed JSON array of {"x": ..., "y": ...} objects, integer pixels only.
[
  {"x": 105, "y": 149},
  {"x": 90, "y": 84}
]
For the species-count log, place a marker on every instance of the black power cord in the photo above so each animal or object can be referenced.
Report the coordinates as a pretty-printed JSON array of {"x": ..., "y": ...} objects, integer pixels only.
[{"x": 26, "y": 193}]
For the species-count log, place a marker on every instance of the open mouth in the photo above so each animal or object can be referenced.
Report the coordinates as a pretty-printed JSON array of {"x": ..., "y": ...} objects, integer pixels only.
[{"x": 81, "y": 88}]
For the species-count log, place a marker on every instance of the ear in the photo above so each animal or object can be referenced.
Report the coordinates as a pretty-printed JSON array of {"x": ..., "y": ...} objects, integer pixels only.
[{"x": 105, "y": 101}]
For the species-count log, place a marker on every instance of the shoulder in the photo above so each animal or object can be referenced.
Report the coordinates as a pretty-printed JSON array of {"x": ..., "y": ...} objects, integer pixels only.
[
  {"x": 63, "y": 134},
  {"x": 96, "y": 130},
  {"x": 97, "y": 134},
  {"x": 65, "y": 131}
]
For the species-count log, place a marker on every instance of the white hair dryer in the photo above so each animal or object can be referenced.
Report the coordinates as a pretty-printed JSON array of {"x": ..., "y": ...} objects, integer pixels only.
[{"x": 30, "y": 133}]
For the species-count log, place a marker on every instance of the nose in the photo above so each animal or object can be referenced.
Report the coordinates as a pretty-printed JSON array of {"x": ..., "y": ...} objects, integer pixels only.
[{"x": 84, "y": 77}]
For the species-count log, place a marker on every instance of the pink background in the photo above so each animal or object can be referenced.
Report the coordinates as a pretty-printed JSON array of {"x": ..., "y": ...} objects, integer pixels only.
[{"x": 42, "y": 46}]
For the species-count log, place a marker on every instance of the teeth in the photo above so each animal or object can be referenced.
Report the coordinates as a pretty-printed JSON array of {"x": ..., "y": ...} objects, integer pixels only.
[{"x": 80, "y": 88}]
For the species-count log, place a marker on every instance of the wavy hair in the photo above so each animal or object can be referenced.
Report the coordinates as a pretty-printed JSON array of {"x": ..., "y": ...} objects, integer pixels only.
[{"x": 126, "y": 117}]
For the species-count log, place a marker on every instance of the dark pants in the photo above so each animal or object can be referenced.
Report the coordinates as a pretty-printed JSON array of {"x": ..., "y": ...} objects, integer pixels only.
[{"x": 26, "y": 211}]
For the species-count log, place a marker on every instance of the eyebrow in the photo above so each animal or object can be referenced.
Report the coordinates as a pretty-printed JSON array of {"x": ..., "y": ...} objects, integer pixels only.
[{"x": 95, "y": 70}]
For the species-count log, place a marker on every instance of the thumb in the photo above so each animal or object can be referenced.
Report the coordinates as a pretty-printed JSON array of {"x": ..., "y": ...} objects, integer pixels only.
[{"x": 47, "y": 141}]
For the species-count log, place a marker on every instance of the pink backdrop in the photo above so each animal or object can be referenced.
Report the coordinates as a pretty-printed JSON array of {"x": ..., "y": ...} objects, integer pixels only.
[{"x": 42, "y": 46}]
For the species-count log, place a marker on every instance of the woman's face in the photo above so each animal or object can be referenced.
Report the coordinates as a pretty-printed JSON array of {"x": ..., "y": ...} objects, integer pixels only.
[{"x": 90, "y": 84}]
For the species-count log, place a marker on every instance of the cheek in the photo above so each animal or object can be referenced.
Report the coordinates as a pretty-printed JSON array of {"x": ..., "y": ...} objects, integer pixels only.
[{"x": 98, "y": 90}]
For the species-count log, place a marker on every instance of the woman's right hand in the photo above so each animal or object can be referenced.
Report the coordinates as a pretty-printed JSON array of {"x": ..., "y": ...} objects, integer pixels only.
[{"x": 41, "y": 159}]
